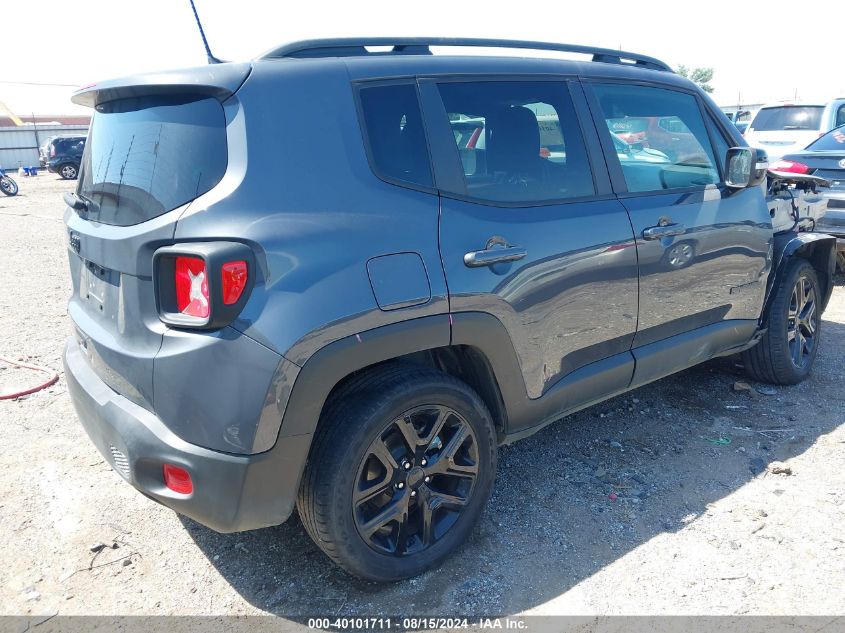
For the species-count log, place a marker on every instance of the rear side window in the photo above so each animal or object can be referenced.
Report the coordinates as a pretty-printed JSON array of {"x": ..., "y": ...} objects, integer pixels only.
[
  {"x": 519, "y": 141},
  {"x": 665, "y": 141},
  {"x": 146, "y": 156},
  {"x": 788, "y": 118},
  {"x": 394, "y": 133}
]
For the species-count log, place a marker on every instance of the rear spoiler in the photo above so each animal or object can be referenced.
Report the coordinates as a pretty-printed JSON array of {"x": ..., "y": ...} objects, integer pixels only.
[{"x": 219, "y": 81}]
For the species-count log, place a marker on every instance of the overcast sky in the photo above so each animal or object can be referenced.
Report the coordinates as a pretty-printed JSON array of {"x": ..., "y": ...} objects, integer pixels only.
[{"x": 757, "y": 51}]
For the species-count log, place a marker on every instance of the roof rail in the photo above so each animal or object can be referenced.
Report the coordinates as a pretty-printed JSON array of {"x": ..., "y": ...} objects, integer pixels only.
[{"x": 356, "y": 47}]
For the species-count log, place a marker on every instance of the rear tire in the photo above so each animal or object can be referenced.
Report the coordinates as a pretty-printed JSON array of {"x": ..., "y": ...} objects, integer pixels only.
[
  {"x": 785, "y": 354},
  {"x": 399, "y": 473},
  {"x": 679, "y": 255},
  {"x": 68, "y": 171}
]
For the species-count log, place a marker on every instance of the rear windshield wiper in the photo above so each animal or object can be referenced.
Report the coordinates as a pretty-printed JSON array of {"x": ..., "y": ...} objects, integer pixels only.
[
  {"x": 795, "y": 127},
  {"x": 77, "y": 203}
]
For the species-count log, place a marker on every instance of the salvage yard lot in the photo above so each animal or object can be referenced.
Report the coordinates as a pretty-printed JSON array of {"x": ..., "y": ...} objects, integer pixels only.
[{"x": 664, "y": 500}]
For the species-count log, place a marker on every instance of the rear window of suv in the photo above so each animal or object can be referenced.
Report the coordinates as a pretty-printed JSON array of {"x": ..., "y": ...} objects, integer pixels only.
[
  {"x": 149, "y": 155},
  {"x": 68, "y": 145},
  {"x": 788, "y": 118}
]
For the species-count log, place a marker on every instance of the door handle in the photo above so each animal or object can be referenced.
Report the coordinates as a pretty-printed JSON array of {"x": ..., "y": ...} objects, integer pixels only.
[
  {"x": 494, "y": 254},
  {"x": 663, "y": 230}
]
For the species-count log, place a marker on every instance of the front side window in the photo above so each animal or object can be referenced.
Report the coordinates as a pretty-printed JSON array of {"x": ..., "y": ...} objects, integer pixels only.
[
  {"x": 519, "y": 141},
  {"x": 395, "y": 134},
  {"x": 666, "y": 145},
  {"x": 720, "y": 144}
]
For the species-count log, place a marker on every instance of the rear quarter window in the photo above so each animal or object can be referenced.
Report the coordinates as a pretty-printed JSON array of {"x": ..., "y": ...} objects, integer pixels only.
[
  {"x": 394, "y": 134},
  {"x": 149, "y": 155}
]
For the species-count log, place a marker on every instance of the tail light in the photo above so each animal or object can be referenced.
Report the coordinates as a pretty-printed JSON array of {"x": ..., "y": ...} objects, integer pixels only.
[
  {"x": 202, "y": 285},
  {"x": 789, "y": 166},
  {"x": 234, "y": 277},
  {"x": 191, "y": 279},
  {"x": 52, "y": 151}
]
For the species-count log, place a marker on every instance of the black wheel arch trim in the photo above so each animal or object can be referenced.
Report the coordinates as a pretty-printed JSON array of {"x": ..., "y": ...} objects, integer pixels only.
[
  {"x": 337, "y": 360},
  {"x": 818, "y": 248},
  {"x": 327, "y": 367}
]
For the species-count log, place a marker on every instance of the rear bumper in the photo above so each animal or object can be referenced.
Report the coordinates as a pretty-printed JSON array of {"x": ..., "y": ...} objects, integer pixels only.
[{"x": 231, "y": 493}]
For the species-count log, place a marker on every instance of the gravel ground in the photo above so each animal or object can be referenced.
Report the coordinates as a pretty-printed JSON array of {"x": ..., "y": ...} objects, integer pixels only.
[{"x": 663, "y": 501}]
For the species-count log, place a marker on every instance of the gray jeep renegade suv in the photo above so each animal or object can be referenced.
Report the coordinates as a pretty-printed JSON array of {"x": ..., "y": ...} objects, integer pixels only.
[{"x": 337, "y": 279}]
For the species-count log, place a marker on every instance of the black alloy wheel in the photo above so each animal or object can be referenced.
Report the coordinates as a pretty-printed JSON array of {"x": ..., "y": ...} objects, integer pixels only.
[
  {"x": 415, "y": 480},
  {"x": 802, "y": 322}
]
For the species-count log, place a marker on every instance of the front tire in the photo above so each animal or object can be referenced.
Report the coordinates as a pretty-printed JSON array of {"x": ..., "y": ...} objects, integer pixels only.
[
  {"x": 8, "y": 186},
  {"x": 785, "y": 354},
  {"x": 400, "y": 471}
]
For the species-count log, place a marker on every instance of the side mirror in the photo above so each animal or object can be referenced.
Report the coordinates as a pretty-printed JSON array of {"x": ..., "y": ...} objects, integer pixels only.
[{"x": 746, "y": 167}]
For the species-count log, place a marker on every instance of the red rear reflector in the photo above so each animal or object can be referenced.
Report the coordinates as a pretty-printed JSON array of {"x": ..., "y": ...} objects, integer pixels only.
[
  {"x": 789, "y": 166},
  {"x": 192, "y": 287},
  {"x": 178, "y": 479},
  {"x": 234, "y": 276}
]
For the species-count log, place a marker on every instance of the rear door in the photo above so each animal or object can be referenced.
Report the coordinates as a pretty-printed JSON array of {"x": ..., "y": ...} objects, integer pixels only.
[
  {"x": 703, "y": 248},
  {"x": 529, "y": 230},
  {"x": 145, "y": 159}
]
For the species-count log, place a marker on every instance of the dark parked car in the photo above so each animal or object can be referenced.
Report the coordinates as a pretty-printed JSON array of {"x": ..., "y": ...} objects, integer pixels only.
[
  {"x": 353, "y": 325},
  {"x": 825, "y": 158},
  {"x": 63, "y": 154}
]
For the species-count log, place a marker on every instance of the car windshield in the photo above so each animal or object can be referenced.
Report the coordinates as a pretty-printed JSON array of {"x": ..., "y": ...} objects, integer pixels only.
[
  {"x": 833, "y": 141},
  {"x": 788, "y": 118}
]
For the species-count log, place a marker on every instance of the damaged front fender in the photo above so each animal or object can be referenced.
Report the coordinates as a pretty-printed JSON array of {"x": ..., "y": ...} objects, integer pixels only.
[{"x": 817, "y": 248}]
